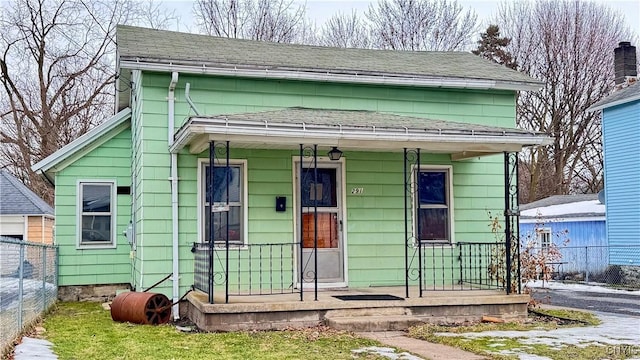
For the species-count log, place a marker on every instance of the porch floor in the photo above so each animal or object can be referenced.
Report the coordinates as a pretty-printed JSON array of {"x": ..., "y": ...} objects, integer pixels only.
[{"x": 265, "y": 312}]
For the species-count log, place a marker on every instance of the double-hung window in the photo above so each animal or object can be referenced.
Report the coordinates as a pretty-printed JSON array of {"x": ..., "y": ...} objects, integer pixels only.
[
  {"x": 96, "y": 213},
  {"x": 544, "y": 238},
  {"x": 434, "y": 205},
  {"x": 228, "y": 210}
]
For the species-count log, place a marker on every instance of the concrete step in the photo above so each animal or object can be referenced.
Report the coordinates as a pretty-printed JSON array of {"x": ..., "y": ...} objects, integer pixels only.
[
  {"x": 369, "y": 311},
  {"x": 373, "y": 323}
]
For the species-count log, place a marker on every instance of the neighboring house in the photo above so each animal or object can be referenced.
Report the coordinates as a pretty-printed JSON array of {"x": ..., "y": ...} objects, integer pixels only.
[
  {"x": 621, "y": 146},
  {"x": 23, "y": 214},
  {"x": 574, "y": 223},
  {"x": 340, "y": 156}
]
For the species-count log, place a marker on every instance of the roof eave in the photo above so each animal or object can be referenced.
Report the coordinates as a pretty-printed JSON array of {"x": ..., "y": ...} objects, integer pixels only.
[
  {"x": 81, "y": 142},
  {"x": 629, "y": 99},
  {"x": 34, "y": 214},
  {"x": 560, "y": 219},
  {"x": 328, "y": 75},
  {"x": 224, "y": 127}
]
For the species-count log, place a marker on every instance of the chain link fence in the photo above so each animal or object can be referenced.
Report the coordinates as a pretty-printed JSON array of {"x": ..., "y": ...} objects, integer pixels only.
[
  {"x": 608, "y": 265},
  {"x": 28, "y": 285}
]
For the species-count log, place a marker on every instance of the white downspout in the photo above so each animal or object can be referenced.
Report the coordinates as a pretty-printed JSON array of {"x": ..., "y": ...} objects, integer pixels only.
[{"x": 174, "y": 196}]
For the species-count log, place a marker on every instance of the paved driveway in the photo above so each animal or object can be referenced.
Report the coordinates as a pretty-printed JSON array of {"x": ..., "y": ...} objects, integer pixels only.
[{"x": 592, "y": 298}]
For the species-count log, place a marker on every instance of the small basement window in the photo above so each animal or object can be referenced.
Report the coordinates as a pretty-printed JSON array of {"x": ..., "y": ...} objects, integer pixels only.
[{"x": 96, "y": 213}]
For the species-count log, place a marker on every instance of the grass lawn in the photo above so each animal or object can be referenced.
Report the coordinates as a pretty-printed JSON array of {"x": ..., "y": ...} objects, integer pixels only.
[
  {"x": 85, "y": 331},
  {"x": 488, "y": 346}
]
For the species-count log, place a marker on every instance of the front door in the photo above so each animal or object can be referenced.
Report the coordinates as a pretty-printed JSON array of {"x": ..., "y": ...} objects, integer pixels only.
[{"x": 321, "y": 219}]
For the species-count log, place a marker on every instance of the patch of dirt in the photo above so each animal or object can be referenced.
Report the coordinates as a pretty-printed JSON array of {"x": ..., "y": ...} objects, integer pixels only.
[
  {"x": 185, "y": 322},
  {"x": 316, "y": 332},
  {"x": 310, "y": 334},
  {"x": 533, "y": 317},
  {"x": 537, "y": 317}
]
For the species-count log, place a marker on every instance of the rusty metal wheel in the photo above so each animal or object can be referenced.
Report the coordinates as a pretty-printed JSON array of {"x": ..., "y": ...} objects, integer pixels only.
[{"x": 158, "y": 310}]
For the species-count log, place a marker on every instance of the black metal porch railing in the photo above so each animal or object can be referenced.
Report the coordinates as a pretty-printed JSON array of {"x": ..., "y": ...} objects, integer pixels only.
[
  {"x": 462, "y": 266},
  {"x": 279, "y": 268},
  {"x": 253, "y": 269}
]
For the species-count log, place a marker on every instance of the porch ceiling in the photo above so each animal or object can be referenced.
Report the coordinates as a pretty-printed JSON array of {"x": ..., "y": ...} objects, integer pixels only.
[{"x": 351, "y": 130}]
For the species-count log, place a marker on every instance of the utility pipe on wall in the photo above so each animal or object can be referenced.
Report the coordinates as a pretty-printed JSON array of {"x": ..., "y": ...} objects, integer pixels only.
[
  {"x": 187, "y": 96},
  {"x": 174, "y": 197}
]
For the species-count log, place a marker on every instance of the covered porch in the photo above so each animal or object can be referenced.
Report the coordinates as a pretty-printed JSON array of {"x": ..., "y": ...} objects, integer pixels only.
[
  {"x": 361, "y": 309},
  {"x": 437, "y": 272}
]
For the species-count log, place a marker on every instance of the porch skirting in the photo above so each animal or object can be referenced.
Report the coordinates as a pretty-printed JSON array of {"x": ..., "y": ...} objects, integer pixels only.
[{"x": 286, "y": 311}]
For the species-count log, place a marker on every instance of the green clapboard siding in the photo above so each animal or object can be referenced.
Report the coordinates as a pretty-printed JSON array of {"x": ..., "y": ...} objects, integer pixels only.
[
  {"x": 375, "y": 219},
  {"x": 375, "y": 227},
  {"x": 110, "y": 161}
]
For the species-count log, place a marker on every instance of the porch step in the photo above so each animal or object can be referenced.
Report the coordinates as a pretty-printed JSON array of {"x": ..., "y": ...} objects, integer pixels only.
[
  {"x": 373, "y": 323},
  {"x": 367, "y": 311}
]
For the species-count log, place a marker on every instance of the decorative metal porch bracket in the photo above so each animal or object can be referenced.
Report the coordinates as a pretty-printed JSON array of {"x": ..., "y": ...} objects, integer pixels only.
[
  {"x": 511, "y": 220},
  {"x": 413, "y": 246},
  {"x": 218, "y": 157},
  {"x": 311, "y": 155}
]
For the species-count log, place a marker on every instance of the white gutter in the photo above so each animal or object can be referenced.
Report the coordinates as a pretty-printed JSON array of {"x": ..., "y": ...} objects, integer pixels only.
[
  {"x": 174, "y": 197},
  {"x": 615, "y": 103},
  {"x": 343, "y": 136},
  {"x": 546, "y": 220},
  {"x": 383, "y": 79}
]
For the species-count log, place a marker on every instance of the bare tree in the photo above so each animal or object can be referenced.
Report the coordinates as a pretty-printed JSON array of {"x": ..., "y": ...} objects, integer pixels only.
[
  {"x": 433, "y": 25},
  {"x": 153, "y": 15},
  {"x": 56, "y": 75},
  {"x": 346, "y": 31},
  {"x": 267, "y": 20},
  {"x": 568, "y": 45}
]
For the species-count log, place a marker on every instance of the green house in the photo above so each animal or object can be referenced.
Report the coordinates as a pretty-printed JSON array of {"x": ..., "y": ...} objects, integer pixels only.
[{"x": 339, "y": 168}]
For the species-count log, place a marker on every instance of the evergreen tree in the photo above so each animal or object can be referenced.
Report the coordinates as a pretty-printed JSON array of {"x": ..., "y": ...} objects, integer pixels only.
[{"x": 493, "y": 47}]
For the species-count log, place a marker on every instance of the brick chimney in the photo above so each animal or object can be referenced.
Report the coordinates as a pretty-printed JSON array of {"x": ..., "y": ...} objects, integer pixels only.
[{"x": 625, "y": 63}]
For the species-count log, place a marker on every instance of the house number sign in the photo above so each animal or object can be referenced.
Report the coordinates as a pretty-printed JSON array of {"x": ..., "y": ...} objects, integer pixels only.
[{"x": 357, "y": 191}]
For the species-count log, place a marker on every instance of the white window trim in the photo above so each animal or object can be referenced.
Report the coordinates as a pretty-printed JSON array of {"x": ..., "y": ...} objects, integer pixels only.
[
  {"x": 245, "y": 202},
  {"x": 540, "y": 232},
  {"x": 414, "y": 183},
  {"x": 114, "y": 214}
]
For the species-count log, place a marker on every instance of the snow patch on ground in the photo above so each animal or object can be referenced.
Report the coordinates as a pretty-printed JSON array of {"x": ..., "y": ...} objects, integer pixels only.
[
  {"x": 615, "y": 330},
  {"x": 386, "y": 352},
  {"x": 31, "y": 348},
  {"x": 554, "y": 285}
]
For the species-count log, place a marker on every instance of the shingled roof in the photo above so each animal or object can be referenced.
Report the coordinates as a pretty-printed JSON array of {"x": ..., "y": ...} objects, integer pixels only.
[
  {"x": 168, "y": 48},
  {"x": 17, "y": 199},
  {"x": 369, "y": 120},
  {"x": 356, "y": 129},
  {"x": 564, "y": 207},
  {"x": 619, "y": 97}
]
